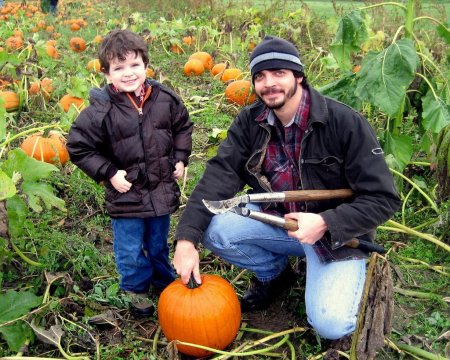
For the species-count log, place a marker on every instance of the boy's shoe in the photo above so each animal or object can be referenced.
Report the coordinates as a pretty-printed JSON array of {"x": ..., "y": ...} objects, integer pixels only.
[
  {"x": 141, "y": 305},
  {"x": 261, "y": 294}
]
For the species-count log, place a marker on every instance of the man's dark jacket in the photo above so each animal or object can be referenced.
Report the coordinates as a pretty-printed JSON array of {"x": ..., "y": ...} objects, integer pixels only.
[
  {"x": 110, "y": 134},
  {"x": 339, "y": 150}
]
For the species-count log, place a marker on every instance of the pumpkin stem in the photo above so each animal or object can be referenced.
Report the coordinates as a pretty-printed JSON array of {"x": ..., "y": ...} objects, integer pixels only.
[{"x": 192, "y": 284}]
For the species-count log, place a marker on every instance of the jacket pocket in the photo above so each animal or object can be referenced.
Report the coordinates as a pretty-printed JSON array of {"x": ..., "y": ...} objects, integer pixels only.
[
  {"x": 327, "y": 171},
  {"x": 132, "y": 196}
]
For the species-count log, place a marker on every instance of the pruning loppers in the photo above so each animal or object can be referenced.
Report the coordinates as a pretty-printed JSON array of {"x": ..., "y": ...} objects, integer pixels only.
[{"x": 237, "y": 205}]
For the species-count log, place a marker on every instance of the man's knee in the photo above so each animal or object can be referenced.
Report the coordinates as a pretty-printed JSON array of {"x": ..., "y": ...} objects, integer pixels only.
[{"x": 332, "y": 326}]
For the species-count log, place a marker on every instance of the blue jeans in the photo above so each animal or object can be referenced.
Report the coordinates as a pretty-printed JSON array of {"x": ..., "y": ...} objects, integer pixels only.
[
  {"x": 333, "y": 290},
  {"x": 142, "y": 253}
]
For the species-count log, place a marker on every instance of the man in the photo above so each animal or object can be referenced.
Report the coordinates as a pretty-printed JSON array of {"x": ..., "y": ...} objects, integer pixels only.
[{"x": 293, "y": 138}]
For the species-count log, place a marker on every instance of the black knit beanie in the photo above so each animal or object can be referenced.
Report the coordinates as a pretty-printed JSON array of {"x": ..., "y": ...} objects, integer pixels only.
[{"x": 275, "y": 53}]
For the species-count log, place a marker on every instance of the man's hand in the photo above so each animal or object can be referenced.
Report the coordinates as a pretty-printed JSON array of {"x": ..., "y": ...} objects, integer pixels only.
[
  {"x": 119, "y": 182},
  {"x": 179, "y": 170},
  {"x": 311, "y": 227},
  {"x": 186, "y": 261}
]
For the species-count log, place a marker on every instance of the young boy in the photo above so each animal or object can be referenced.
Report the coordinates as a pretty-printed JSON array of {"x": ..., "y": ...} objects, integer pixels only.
[{"x": 135, "y": 137}]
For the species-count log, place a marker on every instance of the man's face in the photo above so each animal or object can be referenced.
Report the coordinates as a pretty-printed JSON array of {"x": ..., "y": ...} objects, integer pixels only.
[
  {"x": 127, "y": 75},
  {"x": 276, "y": 87}
]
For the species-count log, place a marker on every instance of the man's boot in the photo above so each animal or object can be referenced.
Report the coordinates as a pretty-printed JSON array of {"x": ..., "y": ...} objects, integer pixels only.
[{"x": 261, "y": 294}]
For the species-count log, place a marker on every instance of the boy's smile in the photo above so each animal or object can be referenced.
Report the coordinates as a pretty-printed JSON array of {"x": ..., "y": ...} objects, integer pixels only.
[{"x": 127, "y": 75}]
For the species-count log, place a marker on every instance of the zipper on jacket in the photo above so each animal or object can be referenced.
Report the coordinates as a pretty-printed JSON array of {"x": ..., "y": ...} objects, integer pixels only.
[
  {"x": 308, "y": 131},
  {"x": 139, "y": 108}
]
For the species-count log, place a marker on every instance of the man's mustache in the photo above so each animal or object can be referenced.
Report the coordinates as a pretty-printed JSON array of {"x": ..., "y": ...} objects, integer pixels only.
[{"x": 271, "y": 91}]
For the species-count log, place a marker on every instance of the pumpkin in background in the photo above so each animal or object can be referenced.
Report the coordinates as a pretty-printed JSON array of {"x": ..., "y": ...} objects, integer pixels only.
[
  {"x": 11, "y": 100},
  {"x": 149, "y": 72},
  {"x": 204, "y": 57},
  {"x": 208, "y": 314},
  {"x": 176, "y": 49},
  {"x": 218, "y": 69},
  {"x": 77, "y": 44},
  {"x": 193, "y": 67},
  {"x": 51, "y": 149},
  {"x": 239, "y": 92},
  {"x": 94, "y": 65},
  {"x": 67, "y": 100},
  {"x": 14, "y": 42},
  {"x": 231, "y": 74}
]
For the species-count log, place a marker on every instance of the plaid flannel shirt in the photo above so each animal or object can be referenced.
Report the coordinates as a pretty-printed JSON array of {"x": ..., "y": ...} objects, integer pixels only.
[{"x": 280, "y": 164}]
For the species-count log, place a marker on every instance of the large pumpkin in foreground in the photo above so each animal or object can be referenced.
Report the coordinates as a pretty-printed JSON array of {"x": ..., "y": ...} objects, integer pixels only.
[{"x": 208, "y": 315}]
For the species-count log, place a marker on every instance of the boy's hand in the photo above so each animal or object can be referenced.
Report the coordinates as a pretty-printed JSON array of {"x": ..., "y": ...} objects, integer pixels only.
[
  {"x": 179, "y": 170},
  {"x": 119, "y": 182}
]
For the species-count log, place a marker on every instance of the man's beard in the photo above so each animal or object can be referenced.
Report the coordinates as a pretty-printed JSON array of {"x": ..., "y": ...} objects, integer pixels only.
[{"x": 274, "y": 106}]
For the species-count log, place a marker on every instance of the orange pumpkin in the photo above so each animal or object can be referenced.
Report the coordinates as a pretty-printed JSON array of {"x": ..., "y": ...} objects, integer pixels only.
[
  {"x": 218, "y": 69},
  {"x": 34, "y": 89},
  {"x": 231, "y": 74},
  {"x": 52, "y": 52},
  {"x": 204, "y": 57},
  {"x": 67, "y": 100},
  {"x": 239, "y": 92},
  {"x": 77, "y": 44},
  {"x": 75, "y": 27},
  {"x": 188, "y": 40},
  {"x": 14, "y": 42},
  {"x": 193, "y": 67},
  {"x": 94, "y": 65},
  {"x": 176, "y": 49},
  {"x": 98, "y": 39},
  {"x": 51, "y": 149},
  {"x": 208, "y": 314},
  {"x": 150, "y": 72},
  {"x": 11, "y": 100},
  {"x": 356, "y": 69},
  {"x": 47, "y": 87}
]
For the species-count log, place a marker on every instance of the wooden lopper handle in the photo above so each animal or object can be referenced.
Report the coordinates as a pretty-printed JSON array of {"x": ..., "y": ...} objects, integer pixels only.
[{"x": 305, "y": 195}]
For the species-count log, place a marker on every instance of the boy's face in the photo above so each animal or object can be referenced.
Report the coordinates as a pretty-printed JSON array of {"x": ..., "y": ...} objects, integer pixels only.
[{"x": 128, "y": 75}]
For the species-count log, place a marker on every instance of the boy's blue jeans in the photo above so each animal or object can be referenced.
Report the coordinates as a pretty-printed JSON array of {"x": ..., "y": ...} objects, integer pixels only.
[
  {"x": 142, "y": 253},
  {"x": 333, "y": 290}
]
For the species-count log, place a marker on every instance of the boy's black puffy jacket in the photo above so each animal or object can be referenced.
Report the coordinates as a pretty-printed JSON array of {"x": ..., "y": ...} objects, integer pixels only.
[
  {"x": 110, "y": 135},
  {"x": 339, "y": 150}
]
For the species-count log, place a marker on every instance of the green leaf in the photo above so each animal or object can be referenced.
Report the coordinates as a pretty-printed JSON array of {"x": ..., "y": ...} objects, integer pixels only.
[
  {"x": 352, "y": 32},
  {"x": 435, "y": 113},
  {"x": 16, "y": 334},
  {"x": 14, "y": 304},
  {"x": 38, "y": 192},
  {"x": 444, "y": 32},
  {"x": 30, "y": 168},
  {"x": 400, "y": 146},
  {"x": 343, "y": 90},
  {"x": 385, "y": 76},
  {"x": 7, "y": 187},
  {"x": 17, "y": 213}
]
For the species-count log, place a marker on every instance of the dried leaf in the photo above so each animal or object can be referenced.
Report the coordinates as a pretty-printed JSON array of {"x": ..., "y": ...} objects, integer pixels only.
[
  {"x": 106, "y": 318},
  {"x": 171, "y": 351},
  {"x": 52, "y": 336}
]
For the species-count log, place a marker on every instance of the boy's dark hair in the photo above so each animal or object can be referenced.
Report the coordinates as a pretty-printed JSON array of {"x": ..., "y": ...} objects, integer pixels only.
[{"x": 117, "y": 44}]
